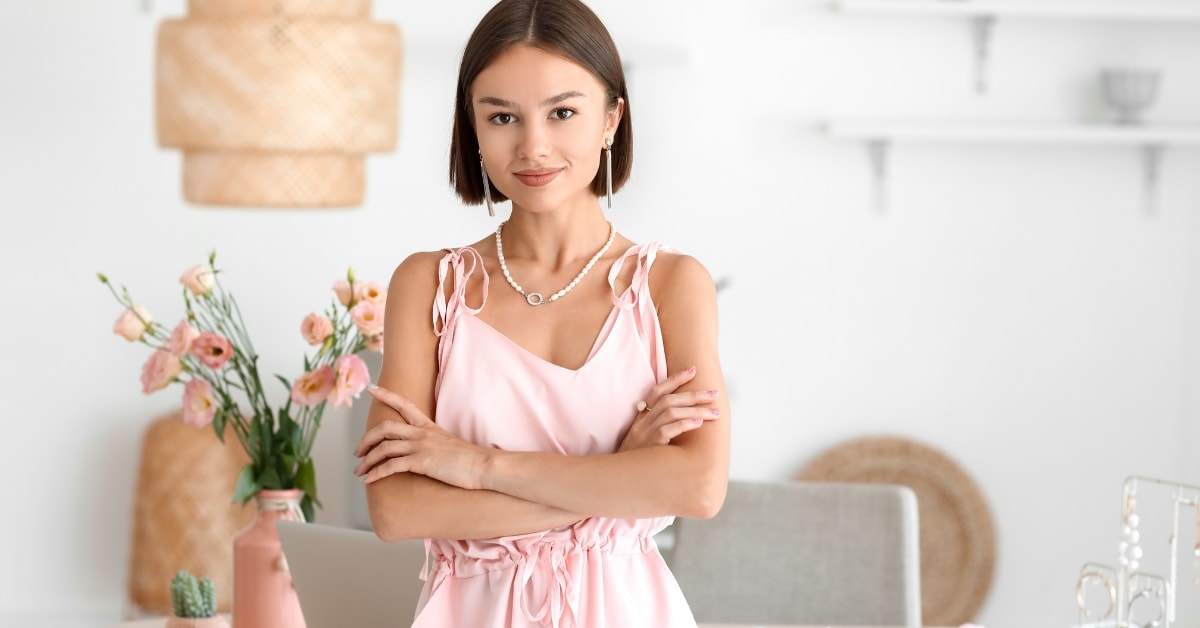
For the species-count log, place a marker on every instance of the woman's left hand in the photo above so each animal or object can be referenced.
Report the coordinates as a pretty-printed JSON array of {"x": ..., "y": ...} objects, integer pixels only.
[{"x": 416, "y": 444}]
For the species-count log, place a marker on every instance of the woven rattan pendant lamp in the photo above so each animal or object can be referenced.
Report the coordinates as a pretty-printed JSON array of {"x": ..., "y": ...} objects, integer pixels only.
[{"x": 275, "y": 103}]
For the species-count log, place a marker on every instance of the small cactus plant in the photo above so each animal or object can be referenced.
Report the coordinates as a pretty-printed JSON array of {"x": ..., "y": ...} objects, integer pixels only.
[{"x": 192, "y": 598}]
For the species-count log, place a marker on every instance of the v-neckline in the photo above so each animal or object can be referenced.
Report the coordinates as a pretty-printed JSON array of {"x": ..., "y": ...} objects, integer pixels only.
[{"x": 597, "y": 343}]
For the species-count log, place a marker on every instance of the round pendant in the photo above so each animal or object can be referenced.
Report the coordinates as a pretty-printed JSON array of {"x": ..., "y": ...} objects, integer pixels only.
[{"x": 535, "y": 298}]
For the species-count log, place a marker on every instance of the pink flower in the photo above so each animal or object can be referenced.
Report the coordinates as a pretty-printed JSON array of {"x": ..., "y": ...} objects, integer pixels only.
[
  {"x": 368, "y": 317},
  {"x": 315, "y": 329},
  {"x": 371, "y": 292},
  {"x": 159, "y": 370},
  {"x": 352, "y": 378},
  {"x": 198, "y": 405},
  {"x": 129, "y": 326},
  {"x": 313, "y": 387},
  {"x": 375, "y": 343},
  {"x": 198, "y": 279},
  {"x": 212, "y": 349},
  {"x": 343, "y": 290},
  {"x": 181, "y": 338}
]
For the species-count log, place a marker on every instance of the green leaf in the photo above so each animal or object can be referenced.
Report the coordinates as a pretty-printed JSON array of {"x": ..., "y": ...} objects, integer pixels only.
[
  {"x": 295, "y": 438},
  {"x": 270, "y": 479},
  {"x": 306, "y": 506},
  {"x": 286, "y": 384},
  {"x": 306, "y": 479},
  {"x": 219, "y": 425},
  {"x": 246, "y": 487},
  {"x": 253, "y": 436}
]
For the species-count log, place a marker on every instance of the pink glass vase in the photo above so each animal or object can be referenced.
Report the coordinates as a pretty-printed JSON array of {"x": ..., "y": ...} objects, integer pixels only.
[{"x": 263, "y": 596}]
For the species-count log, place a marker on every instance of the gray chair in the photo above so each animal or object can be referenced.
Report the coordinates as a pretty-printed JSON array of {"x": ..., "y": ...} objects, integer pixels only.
[{"x": 818, "y": 553}]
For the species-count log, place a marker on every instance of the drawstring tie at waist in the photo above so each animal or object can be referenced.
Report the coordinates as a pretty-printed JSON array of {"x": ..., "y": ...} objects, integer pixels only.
[{"x": 550, "y": 571}]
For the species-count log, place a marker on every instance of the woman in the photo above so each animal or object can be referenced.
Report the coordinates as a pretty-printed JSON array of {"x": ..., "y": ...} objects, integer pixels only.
[{"x": 566, "y": 401}]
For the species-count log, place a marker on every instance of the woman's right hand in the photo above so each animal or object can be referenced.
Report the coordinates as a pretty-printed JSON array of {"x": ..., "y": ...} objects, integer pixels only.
[{"x": 667, "y": 413}]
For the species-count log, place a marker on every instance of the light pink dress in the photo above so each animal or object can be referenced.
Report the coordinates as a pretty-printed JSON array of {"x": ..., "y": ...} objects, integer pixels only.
[{"x": 598, "y": 572}]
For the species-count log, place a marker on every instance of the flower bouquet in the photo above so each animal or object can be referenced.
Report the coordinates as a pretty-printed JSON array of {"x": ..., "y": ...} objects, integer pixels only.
[{"x": 210, "y": 353}]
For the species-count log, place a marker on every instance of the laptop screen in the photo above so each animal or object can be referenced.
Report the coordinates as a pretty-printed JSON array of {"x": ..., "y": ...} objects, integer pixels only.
[{"x": 348, "y": 577}]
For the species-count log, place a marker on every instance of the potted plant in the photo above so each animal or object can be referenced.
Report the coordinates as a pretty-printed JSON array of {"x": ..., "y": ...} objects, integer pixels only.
[{"x": 194, "y": 603}]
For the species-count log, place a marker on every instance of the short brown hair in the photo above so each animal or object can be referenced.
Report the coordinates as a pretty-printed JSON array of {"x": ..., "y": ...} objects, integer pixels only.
[{"x": 566, "y": 27}]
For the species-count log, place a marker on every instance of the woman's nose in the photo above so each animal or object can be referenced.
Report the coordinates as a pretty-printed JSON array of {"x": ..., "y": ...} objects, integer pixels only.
[{"x": 535, "y": 142}]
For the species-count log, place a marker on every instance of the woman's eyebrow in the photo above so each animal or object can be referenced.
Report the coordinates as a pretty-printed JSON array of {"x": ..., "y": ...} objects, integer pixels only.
[{"x": 553, "y": 100}]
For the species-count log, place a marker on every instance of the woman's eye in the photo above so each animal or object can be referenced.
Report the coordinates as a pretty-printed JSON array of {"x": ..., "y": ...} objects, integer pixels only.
[
  {"x": 562, "y": 113},
  {"x": 501, "y": 118}
]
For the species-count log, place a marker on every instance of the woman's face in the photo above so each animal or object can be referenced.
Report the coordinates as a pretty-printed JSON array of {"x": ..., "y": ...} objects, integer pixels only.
[{"x": 541, "y": 120}]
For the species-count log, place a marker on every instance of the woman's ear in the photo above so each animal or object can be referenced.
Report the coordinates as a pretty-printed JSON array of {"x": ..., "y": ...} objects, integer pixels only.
[{"x": 614, "y": 117}]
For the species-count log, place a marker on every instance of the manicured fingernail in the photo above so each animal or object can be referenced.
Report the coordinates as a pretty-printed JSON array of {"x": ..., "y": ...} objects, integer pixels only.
[
  {"x": 372, "y": 385},
  {"x": 691, "y": 369},
  {"x": 713, "y": 393},
  {"x": 715, "y": 411},
  {"x": 697, "y": 422}
]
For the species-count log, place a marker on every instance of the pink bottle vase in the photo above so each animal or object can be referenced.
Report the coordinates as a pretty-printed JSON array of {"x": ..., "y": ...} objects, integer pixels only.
[{"x": 263, "y": 596}]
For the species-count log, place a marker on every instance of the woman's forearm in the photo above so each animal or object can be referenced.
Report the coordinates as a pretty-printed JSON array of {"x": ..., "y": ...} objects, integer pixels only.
[
  {"x": 410, "y": 506},
  {"x": 656, "y": 481}
]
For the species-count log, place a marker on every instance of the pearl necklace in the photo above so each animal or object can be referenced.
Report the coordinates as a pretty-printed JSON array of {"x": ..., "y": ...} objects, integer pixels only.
[{"x": 536, "y": 298}]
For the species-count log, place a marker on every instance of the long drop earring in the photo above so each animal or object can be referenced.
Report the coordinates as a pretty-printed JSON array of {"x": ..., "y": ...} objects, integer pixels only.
[
  {"x": 608, "y": 169},
  {"x": 487, "y": 188}
]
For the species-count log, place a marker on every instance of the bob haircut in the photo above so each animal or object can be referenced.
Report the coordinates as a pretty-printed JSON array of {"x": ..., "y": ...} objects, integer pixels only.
[{"x": 563, "y": 27}]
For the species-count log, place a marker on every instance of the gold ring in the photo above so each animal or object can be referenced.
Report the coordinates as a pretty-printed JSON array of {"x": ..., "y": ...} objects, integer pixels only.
[{"x": 1112, "y": 593}]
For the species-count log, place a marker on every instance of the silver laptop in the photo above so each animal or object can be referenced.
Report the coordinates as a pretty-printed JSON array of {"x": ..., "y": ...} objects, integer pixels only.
[{"x": 347, "y": 577}]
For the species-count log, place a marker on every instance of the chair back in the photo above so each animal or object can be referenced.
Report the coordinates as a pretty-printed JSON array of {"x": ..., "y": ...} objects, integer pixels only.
[{"x": 824, "y": 553}]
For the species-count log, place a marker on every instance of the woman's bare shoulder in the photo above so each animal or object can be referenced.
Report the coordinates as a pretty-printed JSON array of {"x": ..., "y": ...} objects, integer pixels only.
[
  {"x": 417, "y": 266},
  {"x": 425, "y": 263},
  {"x": 672, "y": 268}
]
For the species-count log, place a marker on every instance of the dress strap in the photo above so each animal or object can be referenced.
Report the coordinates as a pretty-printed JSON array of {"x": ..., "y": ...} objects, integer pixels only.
[
  {"x": 458, "y": 265},
  {"x": 462, "y": 263},
  {"x": 639, "y": 287},
  {"x": 636, "y": 299}
]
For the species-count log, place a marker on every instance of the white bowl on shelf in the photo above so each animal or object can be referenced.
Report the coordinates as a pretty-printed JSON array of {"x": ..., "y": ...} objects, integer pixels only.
[{"x": 1129, "y": 92}]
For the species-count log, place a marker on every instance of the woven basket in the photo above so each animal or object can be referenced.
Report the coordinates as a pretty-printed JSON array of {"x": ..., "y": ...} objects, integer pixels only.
[
  {"x": 183, "y": 516},
  {"x": 958, "y": 545},
  {"x": 277, "y": 103}
]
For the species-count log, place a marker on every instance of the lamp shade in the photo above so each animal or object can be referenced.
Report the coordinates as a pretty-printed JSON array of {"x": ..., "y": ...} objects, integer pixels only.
[{"x": 275, "y": 103}]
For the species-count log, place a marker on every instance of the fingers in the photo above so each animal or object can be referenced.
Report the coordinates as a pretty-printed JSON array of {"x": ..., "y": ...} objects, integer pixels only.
[
  {"x": 686, "y": 400},
  {"x": 407, "y": 409},
  {"x": 668, "y": 432},
  {"x": 668, "y": 385},
  {"x": 382, "y": 452},
  {"x": 390, "y": 467},
  {"x": 690, "y": 415},
  {"x": 388, "y": 430}
]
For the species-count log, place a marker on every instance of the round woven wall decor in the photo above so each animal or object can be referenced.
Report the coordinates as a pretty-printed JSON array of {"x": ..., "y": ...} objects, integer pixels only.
[
  {"x": 958, "y": 543},
  {"x": 184, "y": 516}
]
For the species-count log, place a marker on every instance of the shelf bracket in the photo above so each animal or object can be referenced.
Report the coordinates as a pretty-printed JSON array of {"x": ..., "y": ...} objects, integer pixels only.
[
  {"x": 1151, "y": 164},
  {"x": 877, "y": 151},
  {"x": 981, "y": 36}
]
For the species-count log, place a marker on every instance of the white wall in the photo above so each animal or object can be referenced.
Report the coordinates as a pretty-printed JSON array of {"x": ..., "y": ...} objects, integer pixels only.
[{"x": 1014, "y": 307}]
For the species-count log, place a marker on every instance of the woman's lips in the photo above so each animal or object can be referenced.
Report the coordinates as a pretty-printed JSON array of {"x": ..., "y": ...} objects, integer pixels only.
[{"x": 537, "y": 178}]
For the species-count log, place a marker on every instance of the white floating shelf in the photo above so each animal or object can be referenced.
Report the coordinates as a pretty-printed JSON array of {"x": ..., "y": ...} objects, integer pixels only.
[
  {"x": 1144, "y": 10},
  {"x": 879, "y": 136},
  {"x": 1014, "y": 133},
  {"x": 984, "y": 14}
]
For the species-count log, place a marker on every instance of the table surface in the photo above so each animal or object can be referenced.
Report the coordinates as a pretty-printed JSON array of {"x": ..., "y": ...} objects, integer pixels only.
[{"x": 159, "y": 622}]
